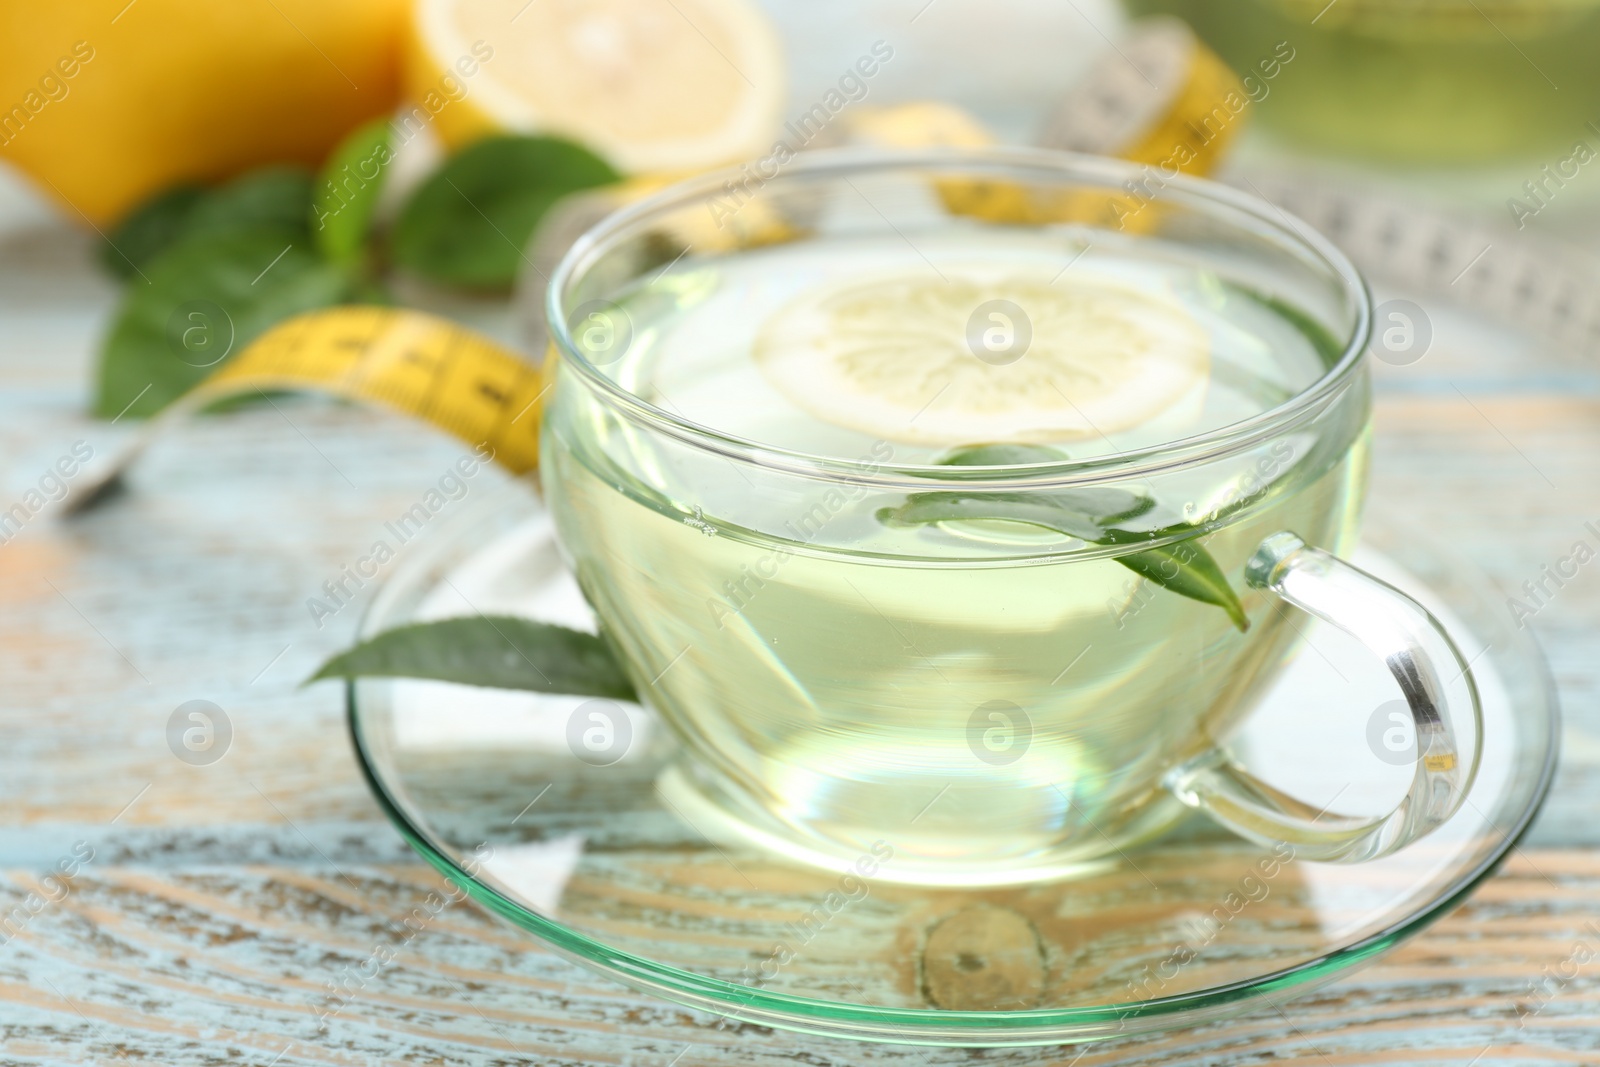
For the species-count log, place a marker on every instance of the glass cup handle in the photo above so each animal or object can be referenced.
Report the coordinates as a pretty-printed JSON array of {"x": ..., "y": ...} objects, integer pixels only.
[{"x": 1414, "y": 646}]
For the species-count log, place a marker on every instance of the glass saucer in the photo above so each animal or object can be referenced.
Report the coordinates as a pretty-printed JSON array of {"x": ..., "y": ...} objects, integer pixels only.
[{"x": 587, "y": 856}]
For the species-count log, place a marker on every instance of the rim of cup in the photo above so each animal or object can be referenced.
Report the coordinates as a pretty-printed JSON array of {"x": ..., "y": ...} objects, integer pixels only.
[{"x": 1245, "y": 212}]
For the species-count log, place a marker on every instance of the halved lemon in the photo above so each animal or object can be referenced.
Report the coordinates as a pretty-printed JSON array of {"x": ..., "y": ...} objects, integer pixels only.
[
  {"x": 984, "y": 355},
  {"x": 652, "y": 85}
]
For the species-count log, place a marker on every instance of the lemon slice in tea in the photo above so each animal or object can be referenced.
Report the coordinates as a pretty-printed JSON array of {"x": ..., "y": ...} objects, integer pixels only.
[{"x": 984, "y": 354}]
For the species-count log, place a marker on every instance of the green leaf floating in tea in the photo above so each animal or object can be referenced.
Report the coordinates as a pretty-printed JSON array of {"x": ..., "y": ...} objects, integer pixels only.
[
  {"x": 1091, "y": 515},
  {"x": 500, "y": 652},
  {"x": 1185, "y": 568}
]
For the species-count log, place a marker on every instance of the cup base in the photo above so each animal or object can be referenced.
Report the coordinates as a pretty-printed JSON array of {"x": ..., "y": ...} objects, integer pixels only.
[{"x": 726, "y": 816}]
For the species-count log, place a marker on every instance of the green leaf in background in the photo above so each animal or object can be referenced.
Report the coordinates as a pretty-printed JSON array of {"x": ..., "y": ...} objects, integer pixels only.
[
  {"x": 469, "y": 222},
  {"x": 497, "y": 651},
  {"x": 267, "y": 198},
  {"x": 148, "y": 230},
  {"x": 346, "y": 193},
  {"x": 207, "y": 298}
]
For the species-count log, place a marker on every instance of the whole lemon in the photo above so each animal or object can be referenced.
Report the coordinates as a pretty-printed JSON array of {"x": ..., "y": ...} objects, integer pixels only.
[{"x": 105, "y": 102}]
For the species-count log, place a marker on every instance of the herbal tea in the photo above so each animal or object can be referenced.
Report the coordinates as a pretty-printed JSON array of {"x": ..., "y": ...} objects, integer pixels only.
[{"x": 991, "y": 678}]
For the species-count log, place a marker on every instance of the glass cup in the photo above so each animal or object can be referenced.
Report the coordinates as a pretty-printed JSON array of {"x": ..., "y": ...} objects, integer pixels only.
[{"x": 996, "y": 664}]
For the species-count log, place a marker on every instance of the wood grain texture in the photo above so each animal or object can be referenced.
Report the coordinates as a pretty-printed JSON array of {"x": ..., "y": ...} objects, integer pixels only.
[
  {"x": 207, "y": 965},
  {"x": 223, "y": 900}
]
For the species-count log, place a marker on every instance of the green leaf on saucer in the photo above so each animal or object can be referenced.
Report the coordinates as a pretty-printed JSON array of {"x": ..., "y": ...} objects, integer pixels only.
[
  {"x": 346, "y": 193},
  {"x": 497, "y": 651},
  {"x": 469, "y": 222},
  {"x": 148, "y": 230},
  {"x": 207, "y": 298}
]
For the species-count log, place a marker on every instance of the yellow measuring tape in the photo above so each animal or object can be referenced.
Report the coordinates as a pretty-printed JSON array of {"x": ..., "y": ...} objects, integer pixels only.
[{"x": 409, "y": 361}]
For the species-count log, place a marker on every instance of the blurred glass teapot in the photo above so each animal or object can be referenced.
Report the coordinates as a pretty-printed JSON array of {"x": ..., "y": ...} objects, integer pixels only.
[{"x": 1418, "y": 81}]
